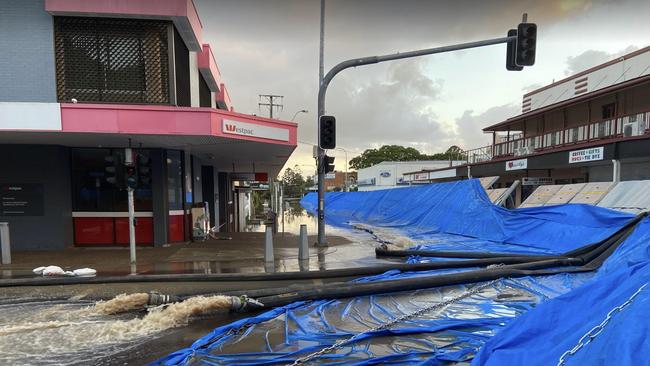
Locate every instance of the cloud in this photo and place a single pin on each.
(394, 109)
(469, 126)
(591, 58)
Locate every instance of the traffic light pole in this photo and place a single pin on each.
(367, 61)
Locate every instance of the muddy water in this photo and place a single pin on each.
(39, 332)
(50, 332)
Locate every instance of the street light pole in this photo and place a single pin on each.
(322, 91)
(300, 111)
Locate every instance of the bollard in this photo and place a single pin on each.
(303, 246)
(5, 242)
(268, 245)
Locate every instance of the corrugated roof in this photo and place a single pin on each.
(630, 196)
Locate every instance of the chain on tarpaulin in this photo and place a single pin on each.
(473, 291)
(595, 331)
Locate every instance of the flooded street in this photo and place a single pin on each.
(42, 331)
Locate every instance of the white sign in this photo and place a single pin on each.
(536, 181)
(591, 154)
(330, 176)
(518, 164)
(420, 176)
(253, 130)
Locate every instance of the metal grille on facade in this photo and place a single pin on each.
(112, 60)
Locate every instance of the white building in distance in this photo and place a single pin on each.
(390, 174)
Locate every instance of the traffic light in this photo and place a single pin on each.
(143, 170)
(328, 163)
(526, 42)
(110, 173)
(131, 177)
(327, 132)
(511, 53)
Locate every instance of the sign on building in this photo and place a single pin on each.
(518, 164)
(253, 130)
(591, 154)
(536, 181)
(24, 199)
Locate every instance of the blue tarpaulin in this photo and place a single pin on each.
(516, 321)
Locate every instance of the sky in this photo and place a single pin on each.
(430, 102)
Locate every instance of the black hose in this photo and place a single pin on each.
(588, 261)
(279, 276)
(384, 252)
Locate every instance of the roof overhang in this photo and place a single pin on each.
(209, 69)
(232, 142)
(182, 13)
(223, 99)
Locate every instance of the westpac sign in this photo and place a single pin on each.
(253, 130)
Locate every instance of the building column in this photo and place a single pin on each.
(159, 197)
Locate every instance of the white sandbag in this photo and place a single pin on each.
(84, 272)
(38, 270)
(53, 271)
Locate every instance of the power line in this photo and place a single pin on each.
(271, 102)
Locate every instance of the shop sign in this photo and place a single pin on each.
(536, 181)
(254, 130)
(591, 154)
(420, 176)
(330, 176)
(21, 199)
(518, 164)
(384, 174)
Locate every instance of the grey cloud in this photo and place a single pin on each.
(469, 125)
(395, 109)
(531, 87)
(591, 58)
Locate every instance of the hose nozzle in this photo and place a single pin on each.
(244, 303)
(156, 299)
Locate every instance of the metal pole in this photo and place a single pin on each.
(5, 242)
(303, 245)
(131, 225)
(322, 91)
(347, 188)
(321, 69)
(268, 245)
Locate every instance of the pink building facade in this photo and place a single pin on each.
(93, 77)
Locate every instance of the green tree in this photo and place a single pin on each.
(371, 157)
(293, 182)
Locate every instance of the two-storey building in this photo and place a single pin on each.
(590, 127)
(84, 79)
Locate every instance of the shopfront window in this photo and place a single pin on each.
(98, 181)
(175, 179)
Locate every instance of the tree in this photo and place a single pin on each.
(371, 157)
(293, 182)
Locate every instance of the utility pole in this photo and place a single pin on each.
(271, 101)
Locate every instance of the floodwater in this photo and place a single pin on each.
(37, 331)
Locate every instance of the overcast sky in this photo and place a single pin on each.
(431, 102)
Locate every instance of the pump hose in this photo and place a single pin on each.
(587, 258)
(584, 261)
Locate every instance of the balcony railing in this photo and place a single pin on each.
(627, 126)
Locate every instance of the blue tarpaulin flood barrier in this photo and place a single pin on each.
(543, 320)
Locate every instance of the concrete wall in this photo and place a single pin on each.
(27, 59)
(49, 166)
